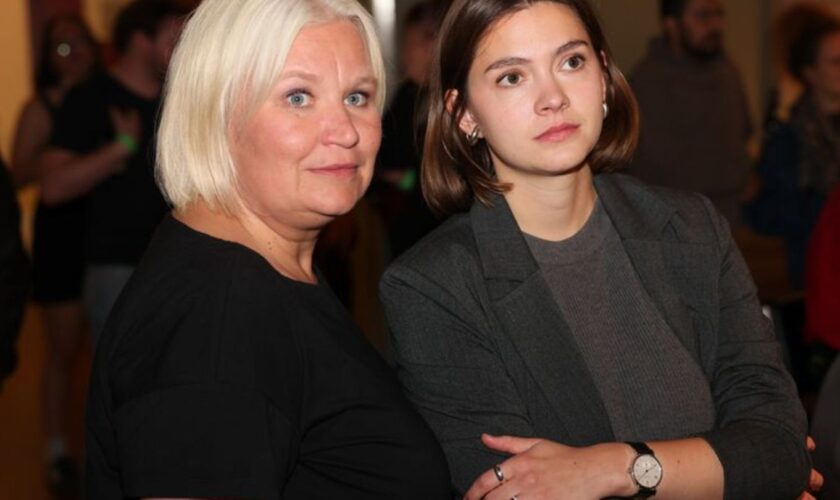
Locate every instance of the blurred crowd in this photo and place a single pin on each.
(86, 139)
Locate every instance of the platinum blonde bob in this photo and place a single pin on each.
(228, 59)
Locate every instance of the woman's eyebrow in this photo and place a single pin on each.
(514, 61)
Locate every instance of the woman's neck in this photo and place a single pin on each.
(288, 250)
(553, 208)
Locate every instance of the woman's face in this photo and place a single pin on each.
(72, 54)
(824, 75)
(535, 90)
(306, 154)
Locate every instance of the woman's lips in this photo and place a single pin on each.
(337, 170)
(558, 133)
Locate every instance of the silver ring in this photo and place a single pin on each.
(499, 474)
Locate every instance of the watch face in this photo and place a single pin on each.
(647, 471)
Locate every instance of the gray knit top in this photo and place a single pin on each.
(650, 385)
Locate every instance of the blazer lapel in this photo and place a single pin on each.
(525, 308)
(666, 267)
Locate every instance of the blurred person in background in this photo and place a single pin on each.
(69, 57)
(103, 149)
(228, 368)
(403, 126)
(800, 159)
(798, 168)
(822, 292)
(695, 121)
(14, 275)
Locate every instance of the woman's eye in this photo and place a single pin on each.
(298, 98)
(573, 63)
(356, 99)
(509, 79)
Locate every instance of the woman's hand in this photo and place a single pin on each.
(815, 481)
(545, 469)
(128, 123)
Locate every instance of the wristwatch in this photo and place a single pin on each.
(645, 470)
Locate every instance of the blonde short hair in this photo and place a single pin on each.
(229, 57)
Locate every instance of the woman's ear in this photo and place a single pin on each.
(467, 121)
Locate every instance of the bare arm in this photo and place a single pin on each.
(66, 175)
(545, 469)
(31, 137)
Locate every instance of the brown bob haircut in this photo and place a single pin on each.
(454, 172)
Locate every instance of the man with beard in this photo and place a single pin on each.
(695, 121)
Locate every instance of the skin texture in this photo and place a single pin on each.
(306, 155)
(534, 71)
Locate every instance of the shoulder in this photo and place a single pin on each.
(194, 312)
(440, 254)
(35, 121)
(669, 213)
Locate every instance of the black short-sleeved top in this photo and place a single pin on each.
(123, 210)
(218, 377)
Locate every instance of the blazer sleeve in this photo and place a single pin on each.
(450, 369)
(761, 427)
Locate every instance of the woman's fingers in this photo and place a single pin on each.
(490, 480)
(815, 482)
(810, 444)
(509, 444)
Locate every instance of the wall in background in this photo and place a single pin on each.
(16, 77)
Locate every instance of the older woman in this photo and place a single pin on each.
(568, 332)
(227, 369)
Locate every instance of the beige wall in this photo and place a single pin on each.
(15, 84)
(16, 75)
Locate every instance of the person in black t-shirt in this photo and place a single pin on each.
(227, 367)
(102, 146)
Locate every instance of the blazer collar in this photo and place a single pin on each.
(637, 214)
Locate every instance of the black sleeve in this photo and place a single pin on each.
(761, 425)
(451, 371)
(203, 440)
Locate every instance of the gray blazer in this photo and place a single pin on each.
(481, 346)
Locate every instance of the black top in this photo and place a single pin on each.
(58, 255)
(14, 275)
(218, 377)
(124, 209)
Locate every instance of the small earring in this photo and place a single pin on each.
(606, 109)
(472, 137)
